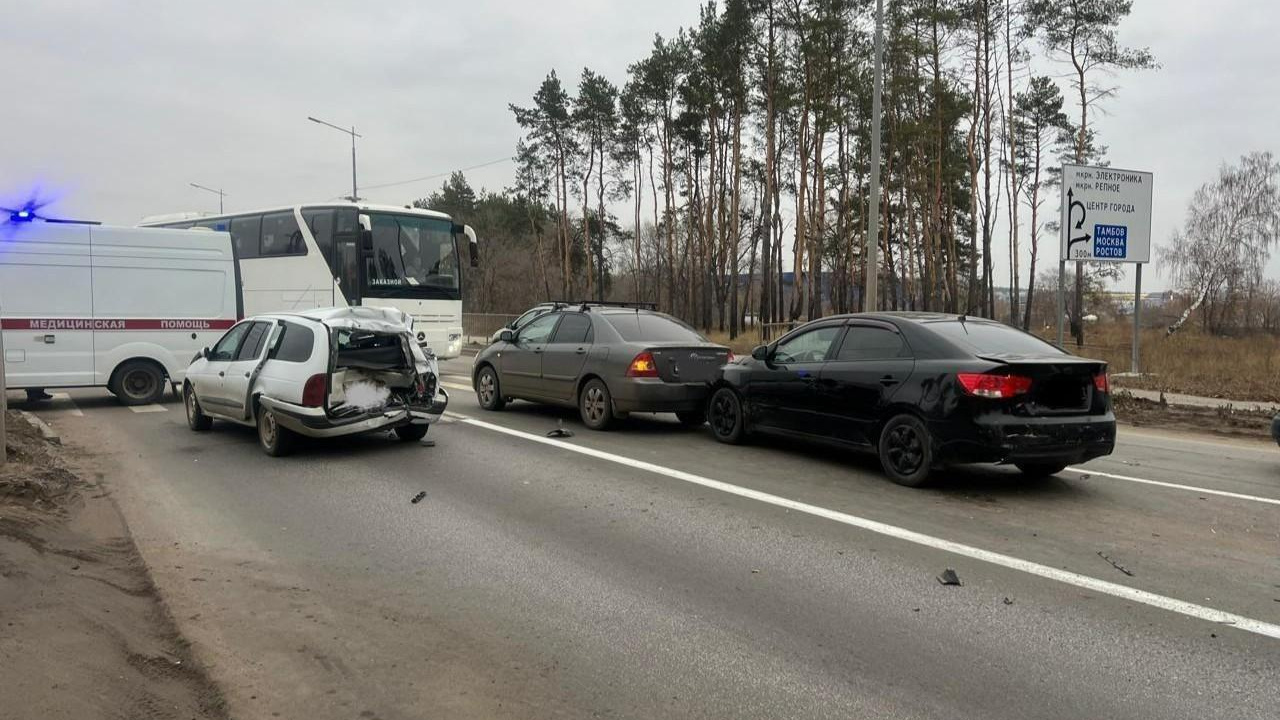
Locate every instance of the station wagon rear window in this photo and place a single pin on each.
(985, 337)
(642, 327)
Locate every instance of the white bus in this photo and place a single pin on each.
(337, 254)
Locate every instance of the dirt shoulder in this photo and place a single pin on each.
(1226, 420)
(83, 633)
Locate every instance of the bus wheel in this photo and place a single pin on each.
(138, 382)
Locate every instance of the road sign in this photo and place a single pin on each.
(1106, 214)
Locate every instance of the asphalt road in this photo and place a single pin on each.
(651, 572)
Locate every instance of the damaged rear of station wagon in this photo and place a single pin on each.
(321, 373)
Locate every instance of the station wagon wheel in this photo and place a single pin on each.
(488, 390)
(138, 382)
(275, 440)
(725, 414)
(906, 451)
(596, 405)
(196, 419)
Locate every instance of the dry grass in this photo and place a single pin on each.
(1191, 362)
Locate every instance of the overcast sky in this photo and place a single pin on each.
(116, 106)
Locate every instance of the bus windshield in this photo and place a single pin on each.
(413, 257)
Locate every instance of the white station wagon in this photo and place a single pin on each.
(320, 373)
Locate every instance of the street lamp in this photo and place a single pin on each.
(870, 287)
(219, 193)
(352, 132)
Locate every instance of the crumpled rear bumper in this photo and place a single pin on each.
(1005, 439)
(315, 422)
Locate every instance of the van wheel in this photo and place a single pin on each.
(595, 405)
(906, 451)
(196, 419)
(275, 440)
(412, 433)
(138, 382)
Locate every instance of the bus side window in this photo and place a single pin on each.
(320, 222)
(281, 236)
(244, 232)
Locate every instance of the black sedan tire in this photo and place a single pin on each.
(595, 405)
(906, 451)
(1037, 471)
(196, 419)
(488, 389)
(728, 423)
(692, 418)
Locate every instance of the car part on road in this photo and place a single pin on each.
(949, 577)
(196, 419)
(725, 414)
(138, 382)
(418, 498)
(559, 432)
(1115, 564)
(906, 451)
(596, 405)
(411, 433)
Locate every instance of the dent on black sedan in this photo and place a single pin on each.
(924, 391)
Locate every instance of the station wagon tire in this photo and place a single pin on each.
(906, 451)
(196, 419)
(692, 418)
(488, 390)
(724, 412)
(595, 405)
(275, 440)
(412, 433)
(138, 382)
(1039, 471)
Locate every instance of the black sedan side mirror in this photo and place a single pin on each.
(760, 352)
(507, 336)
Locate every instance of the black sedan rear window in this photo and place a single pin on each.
(987, 337)
(643, 327)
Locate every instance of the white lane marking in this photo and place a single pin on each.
(1105, 587)
(153, 407)
(1176, 486)
(457, 386)
(61, 400)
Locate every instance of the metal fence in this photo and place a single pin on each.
(478, 327)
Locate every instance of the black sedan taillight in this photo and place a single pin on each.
(997, 387)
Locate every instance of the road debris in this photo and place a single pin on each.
(560, 432)
(1008, 601)
(1115, 564)
(418, 498)
(949, 577)
(755, 571)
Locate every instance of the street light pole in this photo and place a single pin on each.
(871, 286)
(219, 193)
(352, 132)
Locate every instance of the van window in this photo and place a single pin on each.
(244, 233)
(295, 344)
(251, 348)
(216, 225)
(281, 236)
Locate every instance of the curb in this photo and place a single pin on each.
(47, 432)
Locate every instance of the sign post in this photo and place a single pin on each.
(1106, 217)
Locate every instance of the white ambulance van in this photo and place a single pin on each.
(116, 307)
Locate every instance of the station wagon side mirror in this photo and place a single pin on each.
(204, 353)
(760, 352)
(507, 336)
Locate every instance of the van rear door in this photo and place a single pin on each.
(46, 308)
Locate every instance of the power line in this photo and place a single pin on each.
(437, 175)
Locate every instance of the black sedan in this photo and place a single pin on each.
(924, 391)
(607, 360)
